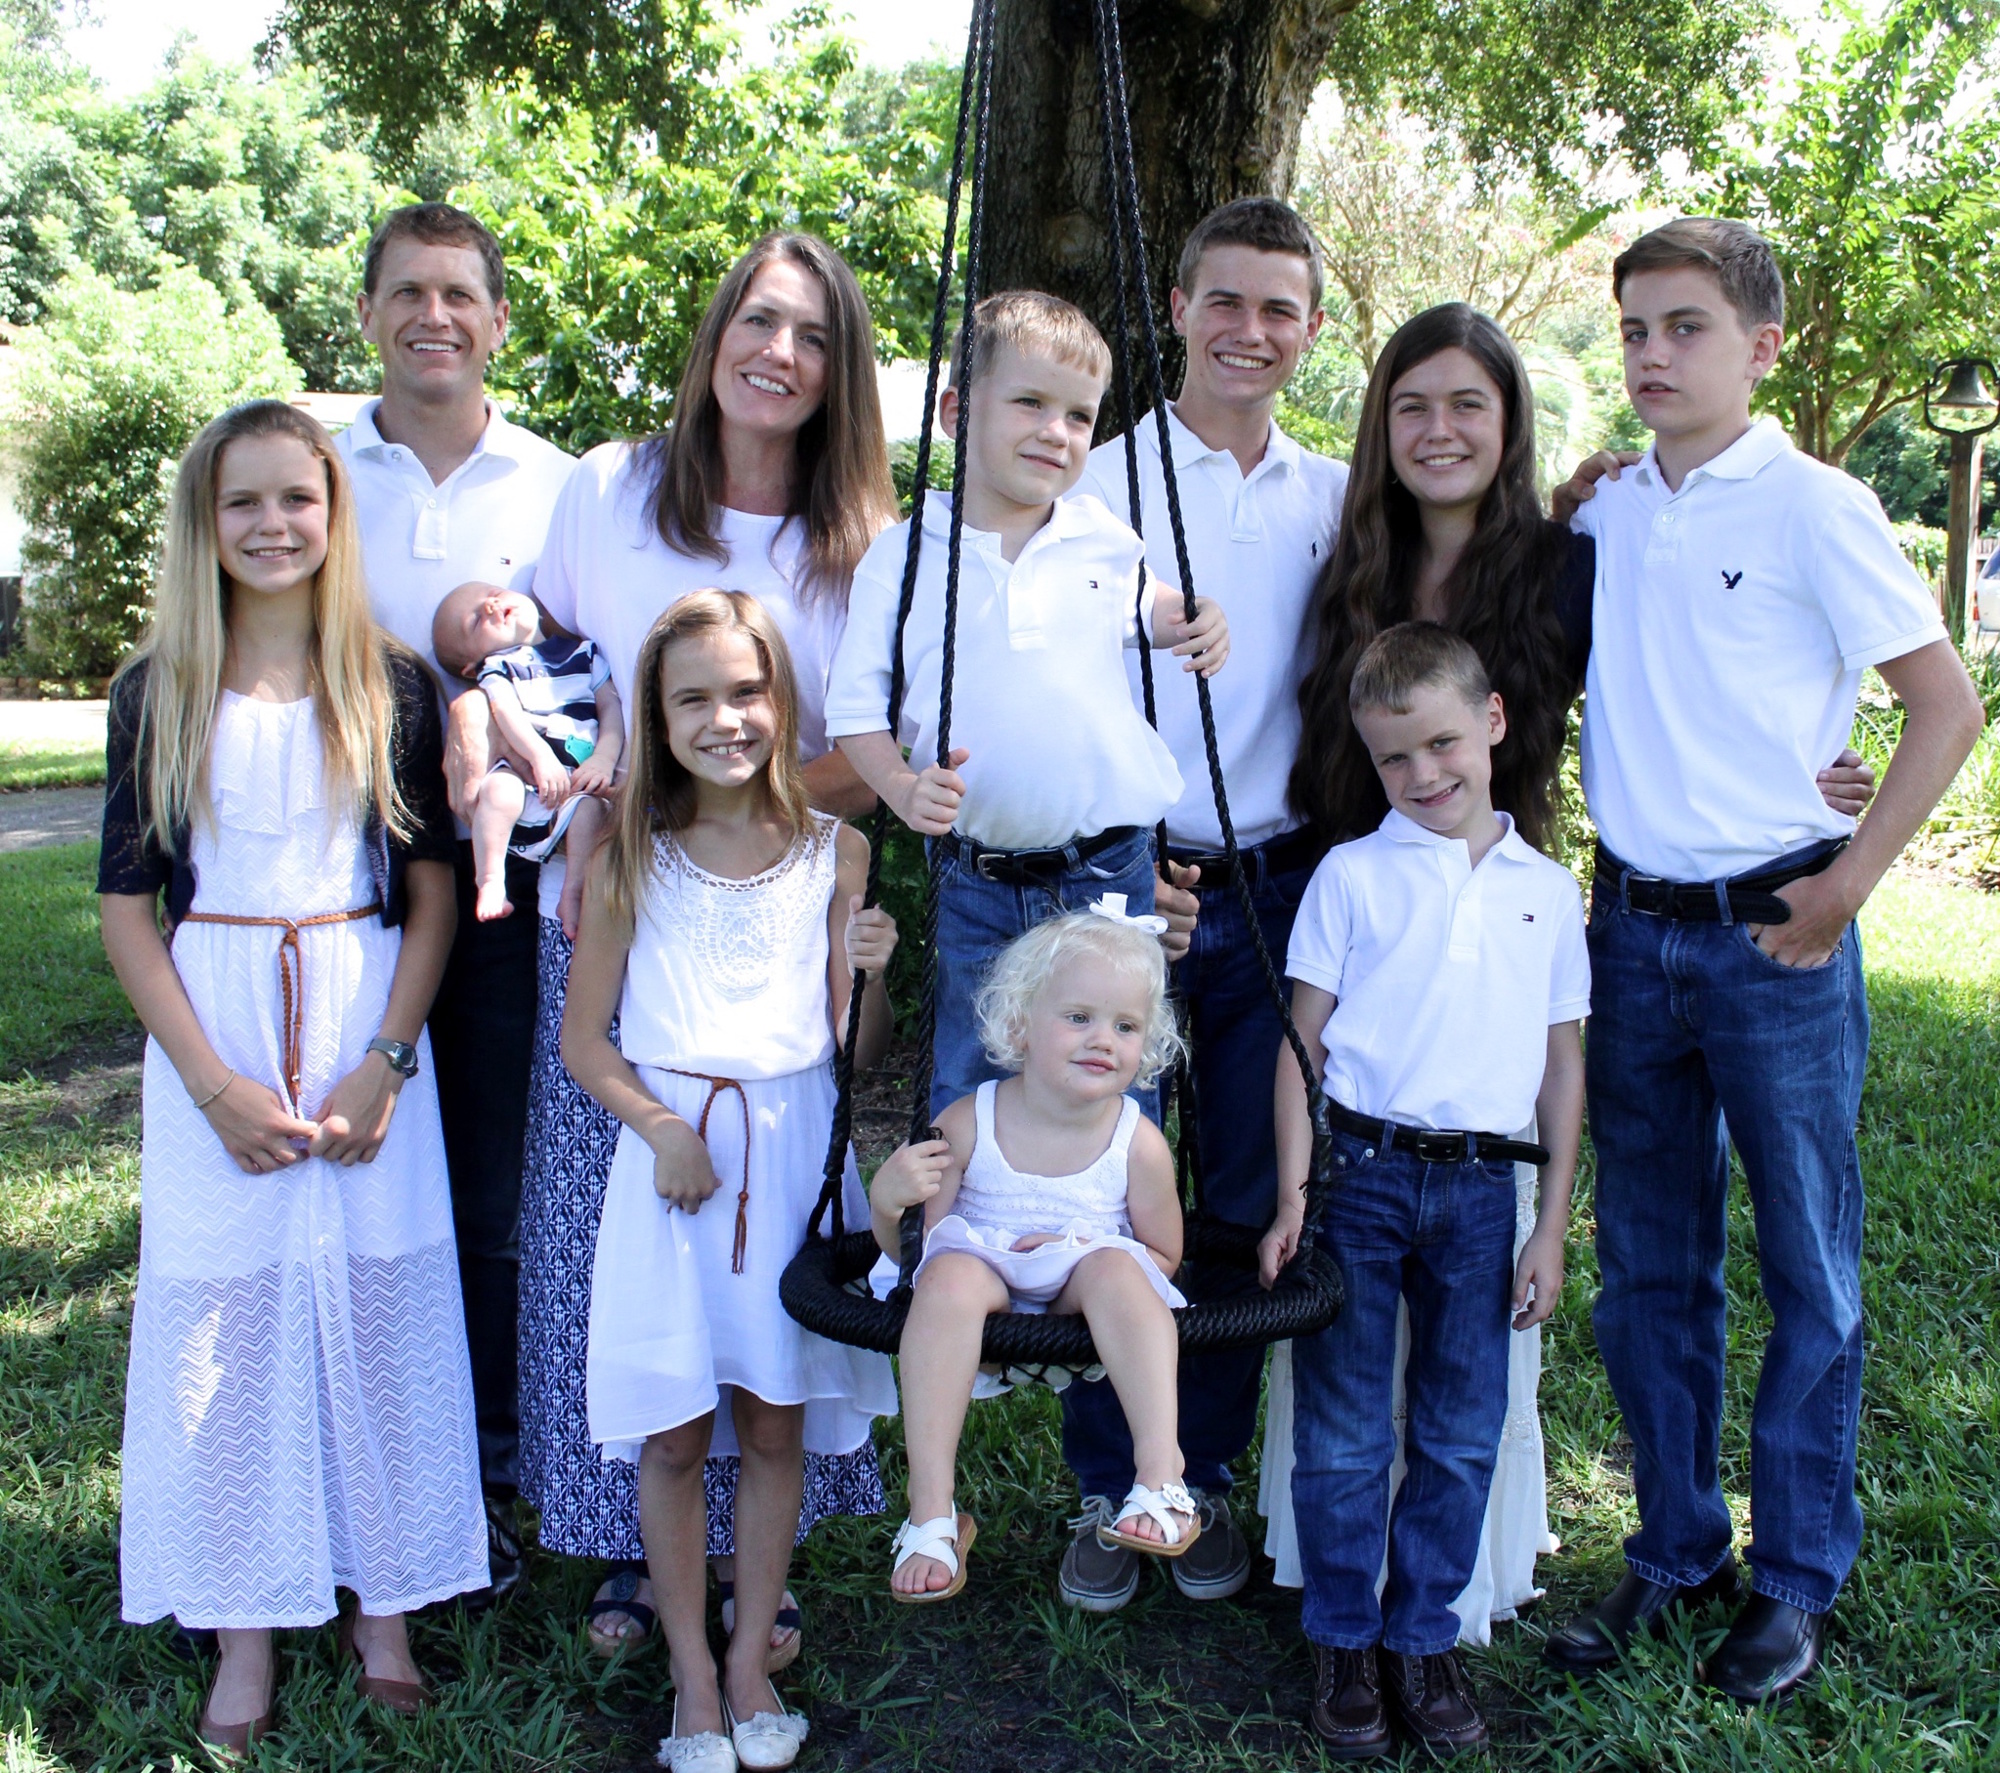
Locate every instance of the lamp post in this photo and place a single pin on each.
(1958, 405)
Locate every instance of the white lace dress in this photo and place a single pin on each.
(1516, 1529)
(725, 1017)
(298, 1411)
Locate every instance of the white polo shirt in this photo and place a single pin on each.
(485, 521)
(1448, 977)
(1256, 543)
(1730, 624)
(1038, 686)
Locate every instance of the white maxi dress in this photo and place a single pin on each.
(298, 1409)
(724, 1016)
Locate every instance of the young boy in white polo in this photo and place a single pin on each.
(1260, 514)
(1439, 978)
(1741, 589)
(1055, 781)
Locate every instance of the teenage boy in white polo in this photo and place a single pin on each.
(448, 491)
(1741, 589)
(1260, 516)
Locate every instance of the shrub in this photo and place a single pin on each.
(108, 392)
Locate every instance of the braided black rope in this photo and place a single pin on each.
(842, 1131)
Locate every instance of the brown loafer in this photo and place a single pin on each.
(405, 1698)
(234, 1738)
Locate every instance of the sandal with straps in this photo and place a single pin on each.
(779, 1657)
(1163, 1504)
(617, 1602)
(946, 1540)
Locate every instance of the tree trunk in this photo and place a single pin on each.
(1218, 91)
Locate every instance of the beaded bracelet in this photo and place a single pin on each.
(219, 1088)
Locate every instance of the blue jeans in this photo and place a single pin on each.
(978, 918)
(1235, 1035)
(1692, 1024)
(1441, 1237)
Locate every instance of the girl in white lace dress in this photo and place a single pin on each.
(1047, 1192)
(298, 1413)
(722, 925)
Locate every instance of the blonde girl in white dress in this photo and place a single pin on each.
(722, 925)
(298, 1412)
(1048, 1192)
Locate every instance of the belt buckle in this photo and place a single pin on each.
(983, 864)
(1436, 1147)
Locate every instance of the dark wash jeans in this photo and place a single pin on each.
(1693, 1025)
(482, 1042)
(977, 918)
(1235, 1034)
(1441, 1237)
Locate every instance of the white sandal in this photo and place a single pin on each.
(766, 1739)
(707, 1751)
(947, 1540)
(1162, 1505)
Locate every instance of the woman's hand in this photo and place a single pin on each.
(1281, 1243)
(871, 938)
(356, 1117)
(683, 1174)
(1847, 784)
(1538, 1272)
(910, 1176)
(257, 1127)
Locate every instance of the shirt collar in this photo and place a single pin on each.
(1744, 459)
(500, 438)
(1280, 451)
(1071, 516)
(1401, 828)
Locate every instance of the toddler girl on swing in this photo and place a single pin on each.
(1048, 1191)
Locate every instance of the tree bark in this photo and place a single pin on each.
(1218, 91)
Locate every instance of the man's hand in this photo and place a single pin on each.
(1820, 916)
(468, 750)
(683, 1173)
(1202, 644)
(1847, 784)
(1539, 1273)
(1581, 487)
(930, 799)
(1175, 900)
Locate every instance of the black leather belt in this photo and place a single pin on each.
(1435, 1145)
(1031, 867)
(1293, 849)
(1744, 898)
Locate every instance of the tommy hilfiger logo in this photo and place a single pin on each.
(1527, 917)
(1731, 580)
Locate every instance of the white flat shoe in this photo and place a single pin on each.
(707, 1751)
(766, 1739)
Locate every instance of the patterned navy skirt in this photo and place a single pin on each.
(590, 1506)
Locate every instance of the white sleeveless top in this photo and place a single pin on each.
(1091, 1203)
(728, 977)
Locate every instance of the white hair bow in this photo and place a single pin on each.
(1112, 905)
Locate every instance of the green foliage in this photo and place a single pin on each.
(108, 392)
(1878, 181)
(1906, 464)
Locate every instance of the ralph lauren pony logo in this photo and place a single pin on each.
(1731, 580)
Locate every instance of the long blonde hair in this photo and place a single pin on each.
(186, 643)
(842, 494)
(659, 793)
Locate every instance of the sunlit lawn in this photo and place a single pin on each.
(1007, 1680)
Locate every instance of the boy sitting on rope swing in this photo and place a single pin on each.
(1049, 802)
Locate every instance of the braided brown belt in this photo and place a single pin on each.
(291, 972)
(716, 1086)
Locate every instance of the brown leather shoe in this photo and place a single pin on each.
(1430, 1698)
(1347, 1712)
(234, 1739)
(406, 1698)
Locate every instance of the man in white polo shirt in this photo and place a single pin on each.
(448, 491)
(1741, 589)
(1260, 514)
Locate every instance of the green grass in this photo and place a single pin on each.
(1007, 1680)
(53, 765)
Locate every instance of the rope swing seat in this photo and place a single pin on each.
(825, 1286)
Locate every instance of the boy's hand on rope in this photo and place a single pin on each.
(931, 798)
(1281, 1243)
(871, 938)
(356, 1117)
(683, 1175)
(1201, 645)
(257, 1128)
(1539, 1271)
(1174, 899)
(910, 1175)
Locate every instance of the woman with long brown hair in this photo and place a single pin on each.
(772, 479)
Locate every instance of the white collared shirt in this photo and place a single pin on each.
(1729, 627)
(1448, 977)
(419, 540)
(1038, 688)
(1256, 543)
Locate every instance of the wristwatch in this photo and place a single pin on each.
(402, 1056)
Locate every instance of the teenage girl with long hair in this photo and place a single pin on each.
(722, 927)
(298, 1411)
(772, 479)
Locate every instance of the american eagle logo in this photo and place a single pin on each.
(1731, 580)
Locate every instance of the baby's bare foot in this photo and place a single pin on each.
(491, 902)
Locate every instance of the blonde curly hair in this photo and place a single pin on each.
(1028, 963)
